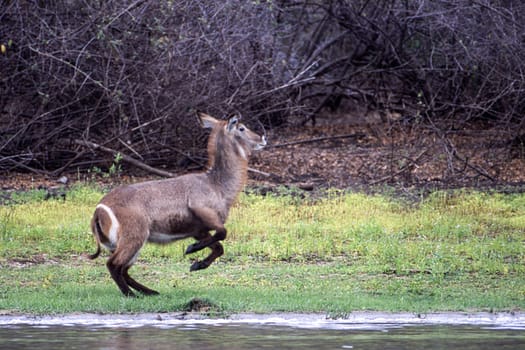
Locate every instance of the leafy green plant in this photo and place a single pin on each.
(116, 167)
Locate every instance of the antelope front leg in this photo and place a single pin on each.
(211, 220)
(216, 251)
(208, 241)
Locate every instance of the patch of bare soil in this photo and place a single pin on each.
(349, 155)
(343, 151)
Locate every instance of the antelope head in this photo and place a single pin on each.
(232, 132)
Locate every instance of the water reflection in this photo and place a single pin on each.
(252, 336)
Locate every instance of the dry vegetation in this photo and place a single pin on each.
(423, 91)
(377, 154)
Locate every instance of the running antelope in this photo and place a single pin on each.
(164, 211)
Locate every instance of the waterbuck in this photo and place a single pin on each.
(164, 211)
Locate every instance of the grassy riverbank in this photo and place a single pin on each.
(336, 253)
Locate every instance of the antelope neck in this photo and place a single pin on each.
(228, 171)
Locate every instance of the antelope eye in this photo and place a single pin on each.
(241, 129)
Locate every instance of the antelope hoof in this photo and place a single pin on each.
(130, 294)
(192, 248)
(198, 265)
(150, 292)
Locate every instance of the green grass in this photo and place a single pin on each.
(260, 287)
(460, 250)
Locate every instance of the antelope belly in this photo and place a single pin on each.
(159, 237)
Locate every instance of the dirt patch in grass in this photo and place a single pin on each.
(41, 259)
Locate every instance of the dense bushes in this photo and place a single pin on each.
(129, 74)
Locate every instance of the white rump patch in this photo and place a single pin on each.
(113, 230)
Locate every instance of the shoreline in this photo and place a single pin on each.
(353, 320)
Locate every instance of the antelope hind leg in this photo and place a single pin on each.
(117, 273)
(136, 285)
(119, 263)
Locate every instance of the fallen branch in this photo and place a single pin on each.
(24, 166)
(400, 171)
(125, 158)
(317, 139)
(476, 168)
(140, 164)
(259, 172)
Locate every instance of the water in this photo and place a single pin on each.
(114, 332)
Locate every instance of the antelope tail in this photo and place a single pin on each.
(97, 231)
(95, 254)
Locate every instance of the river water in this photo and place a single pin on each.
(260, 332)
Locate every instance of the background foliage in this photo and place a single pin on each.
(128, 75)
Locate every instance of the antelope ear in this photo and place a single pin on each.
(206, 121)
(232, 122)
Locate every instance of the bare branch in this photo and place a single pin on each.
(125, 158)
(317, 139)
